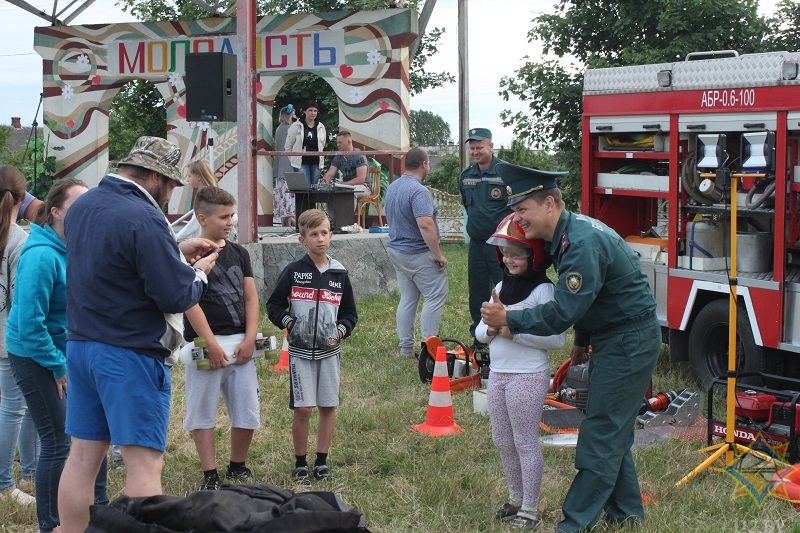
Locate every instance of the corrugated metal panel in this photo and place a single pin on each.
(636, 78)
(756, 70)
(752, 70)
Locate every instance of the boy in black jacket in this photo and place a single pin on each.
(314, 301)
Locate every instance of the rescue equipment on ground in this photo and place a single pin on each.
(463, 366)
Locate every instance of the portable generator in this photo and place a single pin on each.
(574, 390)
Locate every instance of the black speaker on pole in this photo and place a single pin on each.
(211, 87)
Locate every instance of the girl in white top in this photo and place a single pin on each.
(198, 175)
(519, 373)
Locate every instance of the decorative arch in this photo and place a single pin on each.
(362, 55)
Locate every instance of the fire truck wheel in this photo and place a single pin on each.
(708, 345)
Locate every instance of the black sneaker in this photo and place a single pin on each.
(212, 482)
(300, 475)
(322, 472)
(240, 475)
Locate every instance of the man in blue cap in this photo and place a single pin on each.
(484, 197)
(603, 292)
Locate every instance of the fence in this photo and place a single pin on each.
(451, 217)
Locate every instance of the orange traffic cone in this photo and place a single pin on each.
(283, 363)
(440, 420)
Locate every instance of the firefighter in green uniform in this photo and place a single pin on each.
(486, 202)
(603, 292)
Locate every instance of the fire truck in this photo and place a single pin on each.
(664, 148)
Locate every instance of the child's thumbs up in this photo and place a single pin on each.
(493, 313)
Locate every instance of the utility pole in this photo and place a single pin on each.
(463, 84)
(246, 123)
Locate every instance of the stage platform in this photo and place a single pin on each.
(363, 254)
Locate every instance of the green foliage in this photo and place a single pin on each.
(36, 161)
(445, 177)
(595, 33)
(783, 26)
(419, 78)
(5, 134)
(428, 129)
(138, 109)
(519, 153)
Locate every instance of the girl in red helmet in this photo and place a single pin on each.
(519, 374)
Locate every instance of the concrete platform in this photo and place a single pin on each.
(363, 254)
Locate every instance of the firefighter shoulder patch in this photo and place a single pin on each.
(574, 281)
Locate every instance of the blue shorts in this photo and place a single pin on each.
(117, 395)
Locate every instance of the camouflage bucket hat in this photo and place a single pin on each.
(156, 154)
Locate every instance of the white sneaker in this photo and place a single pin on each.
(20, 497)
(353, 228)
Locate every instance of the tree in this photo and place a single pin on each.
(445, 176)
(137, 110)
(428, 129)
(783, 26)
(37, 163)
(595, 34)
(5, 134)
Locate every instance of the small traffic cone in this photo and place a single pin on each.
(283, 363)
(439, 421)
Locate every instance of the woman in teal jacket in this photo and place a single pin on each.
(36, 336)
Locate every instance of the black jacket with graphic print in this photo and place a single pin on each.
(318, 305)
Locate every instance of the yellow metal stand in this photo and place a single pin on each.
(729, 447)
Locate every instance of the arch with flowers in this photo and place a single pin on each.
(362, 55)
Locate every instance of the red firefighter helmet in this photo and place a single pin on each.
(510, 233)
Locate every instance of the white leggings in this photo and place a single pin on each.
(515, 409)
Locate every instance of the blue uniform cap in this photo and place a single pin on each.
(523, 181)
(479, 134)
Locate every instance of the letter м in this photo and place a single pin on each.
(137, 58)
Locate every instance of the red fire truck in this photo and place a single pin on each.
(660, 143)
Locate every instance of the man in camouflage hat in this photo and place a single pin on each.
(126, 279)
(604, 293)
(484, 197)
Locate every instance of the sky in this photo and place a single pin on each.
(497, 45)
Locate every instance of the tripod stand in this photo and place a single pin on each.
(730, 446)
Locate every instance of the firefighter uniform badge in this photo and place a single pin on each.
(496, 193)
(574, 282)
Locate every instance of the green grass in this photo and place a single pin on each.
(406, 482)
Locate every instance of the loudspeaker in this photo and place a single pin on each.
(211, 87)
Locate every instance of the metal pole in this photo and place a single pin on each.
(463, 84)
(246, 119)
(210, 148)
(730, 404)
(424, 17)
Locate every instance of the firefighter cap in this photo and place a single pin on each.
(511, 234)
(523, 181)
(479, 134)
